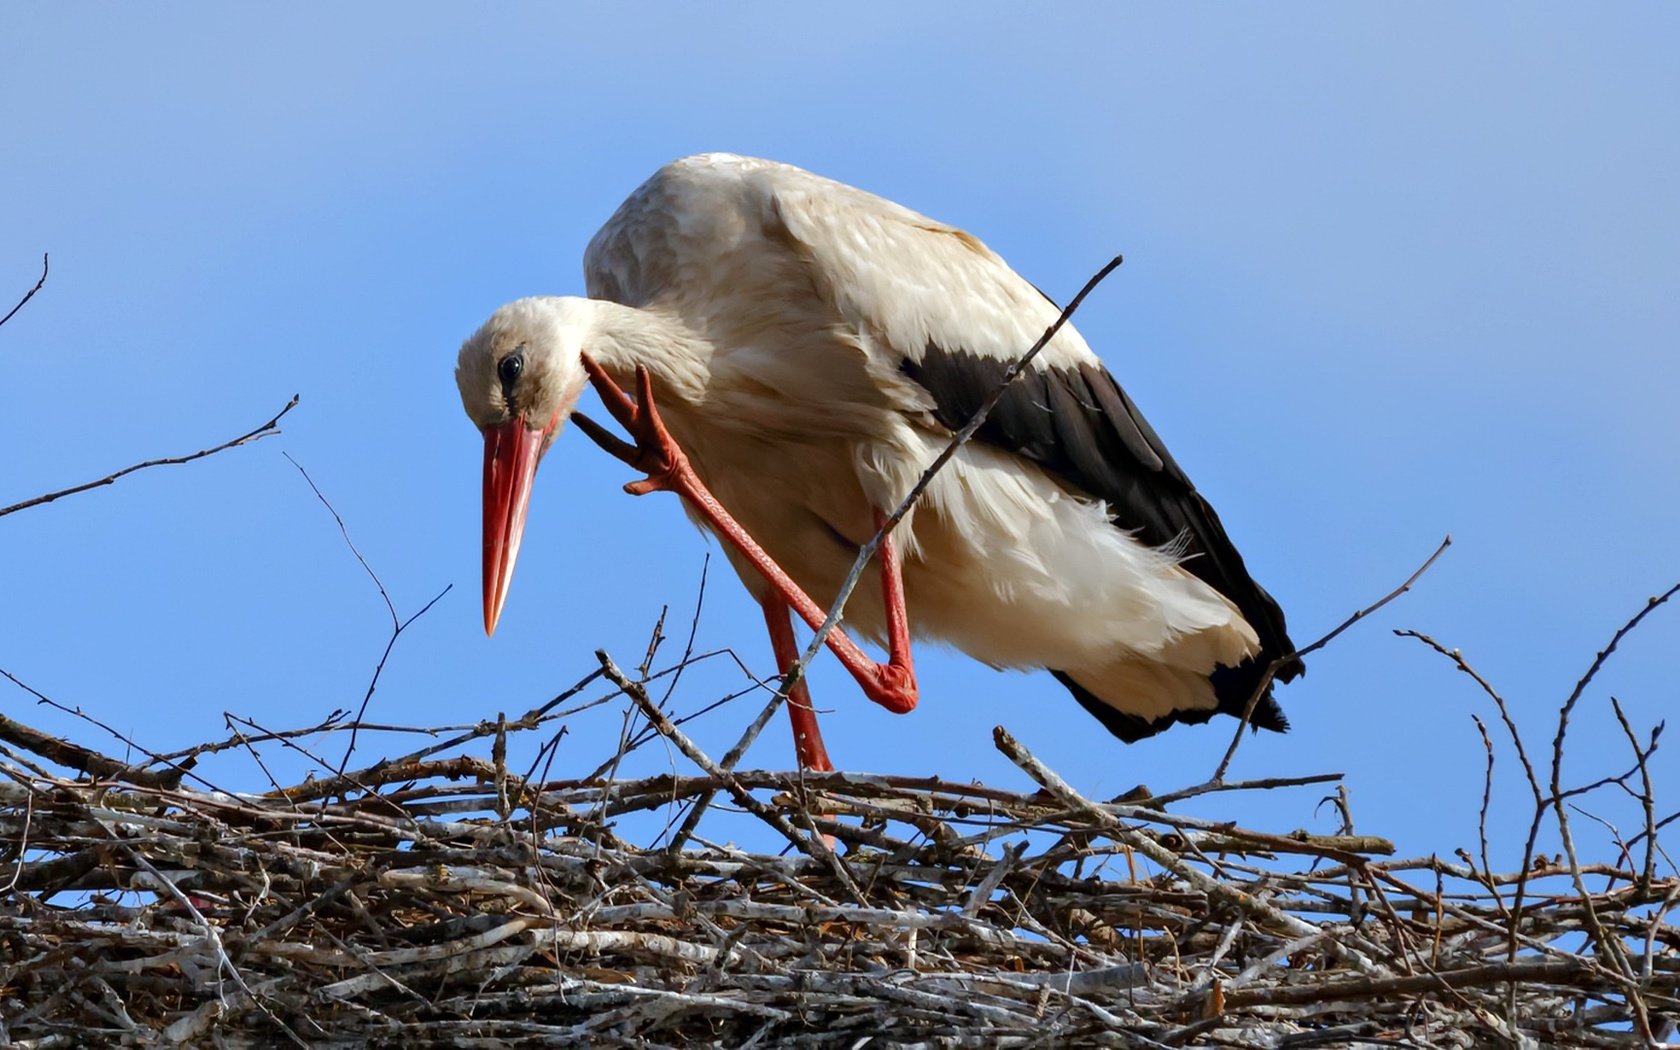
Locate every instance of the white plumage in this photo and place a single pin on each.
(811, 347)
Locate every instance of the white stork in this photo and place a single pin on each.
(811, 348)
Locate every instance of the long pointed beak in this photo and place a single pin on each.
(511, 452)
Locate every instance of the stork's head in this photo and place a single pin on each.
(520, 375)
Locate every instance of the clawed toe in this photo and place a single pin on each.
(654, 452)
(610, 442)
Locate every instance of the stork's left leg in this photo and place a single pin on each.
(892, 684)
(807, 738)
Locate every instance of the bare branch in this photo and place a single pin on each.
(398, 625)
(811, 844)
(1647, 795)
(29, 294)
(1553, 800)
(267, 429)
(1498, 702)
(348, 542)
(1651, 605)
(74, 756)
(86, 761)
(866, 553)
(1277, 664)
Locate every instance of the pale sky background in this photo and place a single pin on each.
(1392, 272)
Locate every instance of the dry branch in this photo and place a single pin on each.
(268, 428)
(867, 552)
(29, 294)
(398, 624)
(1279, 662)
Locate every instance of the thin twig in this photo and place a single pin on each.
(811, 844)
(98, 765)
(398, 625)
(866, 553)
(1647, 793)
(1651, 605)
(74, 756)
(1278, 664)
(379, 669)
(268, 428)
(29, 294)
(1568, 706)
(344, 531)
(1498, 702)
(1482, 811)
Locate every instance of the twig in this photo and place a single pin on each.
(1610, 948)
(1647, 793)
(1651, 605)
(268, 428)
(1211, 786)
(379, 668)
(344, 531)
(106, 766)
(1017, 753)
(1482, 811)
(811, 844)
(398, 625)
(74, 756)
(1278, 663)
(1555, 801)
(211, 936)
(1498, 702)
(730, 759)
(1557, 794)
(866, 553)
(29, 294)
(22, 843)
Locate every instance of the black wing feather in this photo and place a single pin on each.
(1079, 424)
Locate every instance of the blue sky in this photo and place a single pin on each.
(1392, 272)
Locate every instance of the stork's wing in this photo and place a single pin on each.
(1077, 423)
(958, 316)
(935, 304)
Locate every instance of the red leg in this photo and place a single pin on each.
(898, 624)
(893, 684)
(807, 738)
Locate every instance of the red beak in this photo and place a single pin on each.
(511, 452)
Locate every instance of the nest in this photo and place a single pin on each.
(439, 898)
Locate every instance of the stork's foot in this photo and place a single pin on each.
(655, 453)
(893, 686)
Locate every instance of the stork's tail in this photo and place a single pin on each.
(1134, 699)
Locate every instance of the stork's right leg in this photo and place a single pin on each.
(807, 738)
(892, 684)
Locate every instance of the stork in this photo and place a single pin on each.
(800, 351)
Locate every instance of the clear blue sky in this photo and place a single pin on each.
(1392, 272)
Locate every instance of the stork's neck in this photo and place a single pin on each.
(622, 337)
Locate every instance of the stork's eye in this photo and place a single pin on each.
(510, 367)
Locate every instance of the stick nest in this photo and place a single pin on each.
(447, 901)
